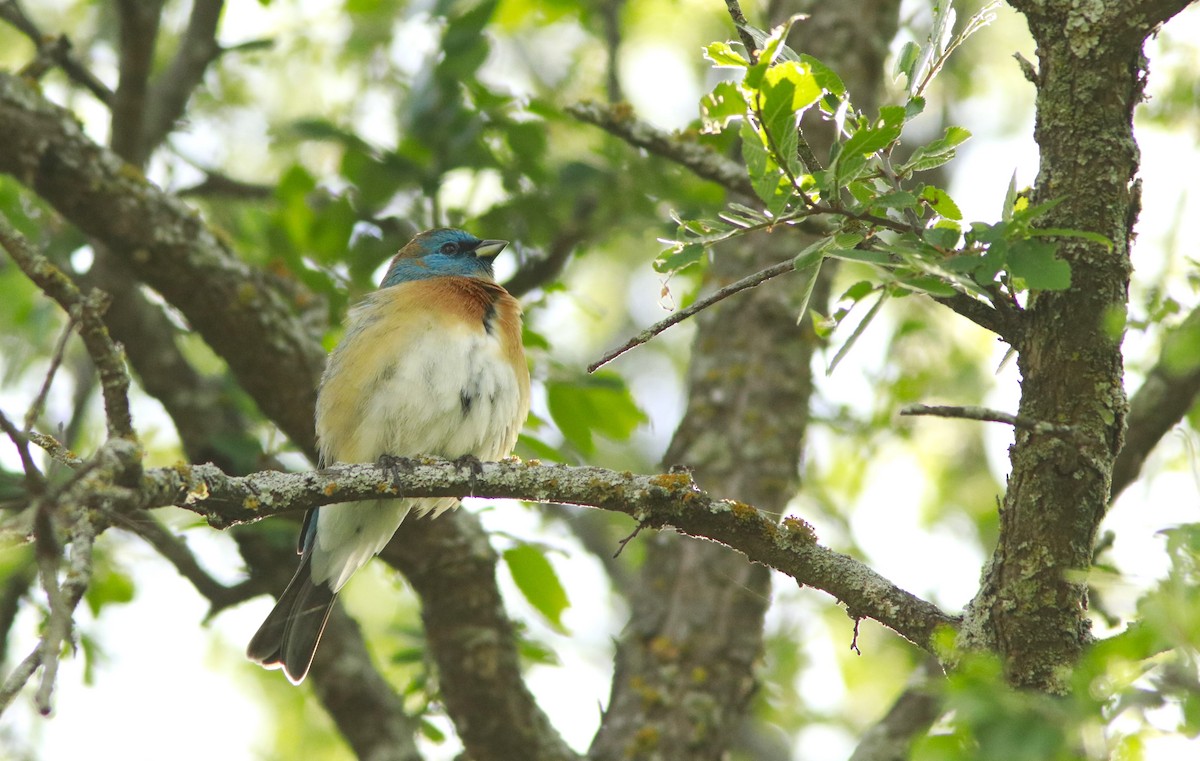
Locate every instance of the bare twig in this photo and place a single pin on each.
(619, 120)
(35, 482)
(990, 416)
(57, 49)
(176, 552)
(739, 21)
(35, 409)
(87, 310)
(63, 598)
(19, 677)
(758, 278)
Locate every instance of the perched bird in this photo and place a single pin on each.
(431, 364)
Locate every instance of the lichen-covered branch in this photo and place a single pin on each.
(655, 501)
(233, 306)
(87, 310)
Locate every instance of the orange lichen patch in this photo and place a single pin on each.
(741, 510)
(330, 488)
(672, 481)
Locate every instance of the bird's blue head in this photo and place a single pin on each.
(443, 252)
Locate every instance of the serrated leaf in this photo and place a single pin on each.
(534, 575)
(679, 257)
(1035, 263)
(906, 61)
(941, 202)
(934, 286)
(944, 238)
(826, 77)
(936, 152)
(723, 55)
(865, 256)
(892, 116)
(721, 106)
(899, 199)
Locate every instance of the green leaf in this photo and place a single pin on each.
(906, 61)
(825, 77)
(935, 153)
(599, 403)
(943, 237)
(1067, 232)
(723, 55)
(679, 256)
(765, 174)
(536, 578)
(941, 202)
(899, 200)
(1034, 262)
(721, 106)
(858, 148)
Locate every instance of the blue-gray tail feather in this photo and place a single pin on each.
(288, 637)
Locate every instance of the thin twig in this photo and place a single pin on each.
(56, 48)
(747, 282)
(63, 602)
(739, 21)
(986, 415)
(87, 309)
(35, 409)
(175, 550)
(35, 482)
(19, 677)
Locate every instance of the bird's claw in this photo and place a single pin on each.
(395, 466)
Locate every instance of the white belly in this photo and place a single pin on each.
(447, 393)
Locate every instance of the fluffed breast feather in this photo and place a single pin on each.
(440, 360)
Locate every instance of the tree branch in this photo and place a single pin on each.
(473, 640)
(232, 305)
(654, 501)
(1169, 391)
(170, 92)
(57, 49)
(87, 310)
(750, 281)
(620, 121)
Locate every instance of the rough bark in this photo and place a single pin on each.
(1032, 606)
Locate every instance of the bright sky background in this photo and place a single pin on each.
(157, 644)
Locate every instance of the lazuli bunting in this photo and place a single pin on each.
(431, 363)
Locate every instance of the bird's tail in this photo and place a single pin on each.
(288, 637)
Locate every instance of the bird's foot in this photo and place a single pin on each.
(395, 466)
(474, 469)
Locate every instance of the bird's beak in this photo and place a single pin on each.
(490, 248)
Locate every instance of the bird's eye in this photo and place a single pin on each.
(449, 248)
